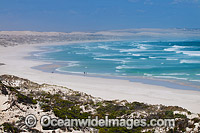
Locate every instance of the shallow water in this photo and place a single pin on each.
(165, 60)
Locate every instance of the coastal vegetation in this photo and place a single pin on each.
(61, 102)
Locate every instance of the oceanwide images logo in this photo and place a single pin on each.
(47, 121)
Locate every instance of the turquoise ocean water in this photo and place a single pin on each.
(178, 60)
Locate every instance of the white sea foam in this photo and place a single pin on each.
(136, 54)
(152, 57)
(142, 46)
(191, 53)
(88, 48)
(104, 47)
(189, 61)
(195, 80)
(117, 71)
(107, 55)
(109, 59)
(124, 67)
(128, 50)
(170, 49)
(171, 59)
(136, 50)
(175, 48)
(147, 74)
(174, 74)
(72, 64)
(170, 77)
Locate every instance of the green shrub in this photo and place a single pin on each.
(136, 106)
(180, 116)
(9, 128)
(169, 114)
(25, 99)
(46, 107)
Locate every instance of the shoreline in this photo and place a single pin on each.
(53, 66)
(108, 89)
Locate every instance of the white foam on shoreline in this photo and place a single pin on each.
(147, 74)
(195, 80)
(170, 77)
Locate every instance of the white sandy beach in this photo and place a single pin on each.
(109, 89)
